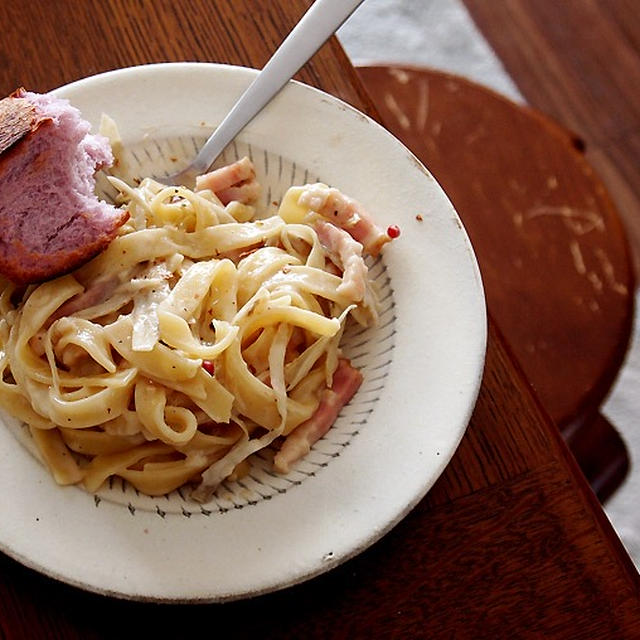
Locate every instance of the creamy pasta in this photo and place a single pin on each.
(200, 336)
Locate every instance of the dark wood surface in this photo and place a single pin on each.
(552, 251)
(510, 542)
(579, 61)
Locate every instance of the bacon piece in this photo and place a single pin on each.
(347, 214)
(97, 292)
(234, 182)
(244, 193)
(349, 252)
(346, 381)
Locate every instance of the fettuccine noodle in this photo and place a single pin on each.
(200, 336)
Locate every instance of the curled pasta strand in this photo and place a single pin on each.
(57, 455)
(171, 425)
(103, 466)
(277, 354)
(175, 332)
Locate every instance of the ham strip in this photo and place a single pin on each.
(345, 213)
(235, 182)
(349, 253)
(346, 381)
(98, 291)
(244, 193)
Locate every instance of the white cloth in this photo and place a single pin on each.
(621, 409)
(442, 35)
(434, 33)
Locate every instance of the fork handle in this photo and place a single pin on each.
(317, 25)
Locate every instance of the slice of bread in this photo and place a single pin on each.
(50, 218)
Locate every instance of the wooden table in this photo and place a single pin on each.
(552, 251)
(510, 542)
(579, 62)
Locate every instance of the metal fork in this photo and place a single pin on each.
(322, 19)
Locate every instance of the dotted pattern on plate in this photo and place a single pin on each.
(370, 349)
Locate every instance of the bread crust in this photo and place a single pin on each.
(20, 125)
(17, 118)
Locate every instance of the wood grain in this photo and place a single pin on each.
(579, 61)
(552, 251)
(510, 542)
(161, 31)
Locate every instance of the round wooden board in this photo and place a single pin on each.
(551, 248)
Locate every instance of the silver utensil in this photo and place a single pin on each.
(322, 19)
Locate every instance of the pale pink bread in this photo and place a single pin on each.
(50, 219)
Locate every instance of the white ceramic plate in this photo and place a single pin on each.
(422, 366)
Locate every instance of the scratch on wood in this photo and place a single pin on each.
(579, 221)
(609, 272)
(422, 110)
(452, 86)
(595, 280)
(395, 109)
(514, 185)
(578, 260)
(476, 134)
(400, 75)
(477, 187)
